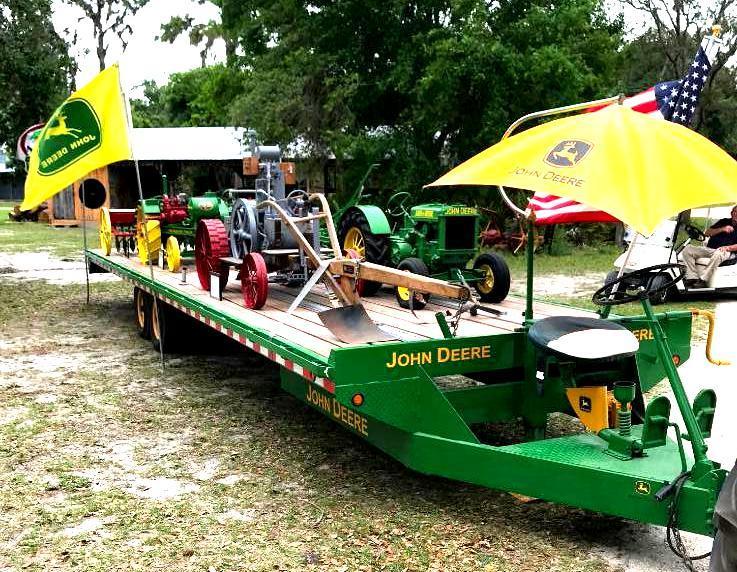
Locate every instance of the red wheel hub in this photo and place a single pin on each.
(254, 281)
(211, 244)
(360, 283)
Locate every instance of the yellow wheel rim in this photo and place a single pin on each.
(148, 250)
(403, 293)
(486, 285)
(106, 231)
(140, 311)
(173, 254)
(354, 241)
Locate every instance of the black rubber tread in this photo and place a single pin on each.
(724, 549)
(145, 330)
(502, 277)
(378, 246)
(659, 297)
(416, 266)
(174, 328)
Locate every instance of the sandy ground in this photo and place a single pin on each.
(629, 547)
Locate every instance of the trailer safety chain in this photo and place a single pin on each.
(673, 534)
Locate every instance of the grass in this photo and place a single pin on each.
(89, 422)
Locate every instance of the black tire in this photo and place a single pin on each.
(377, 246)
(610, 278)
(500, 277)
(724, 548)
(659, 297)
(419, 301)
(169, 328)
(142, 312)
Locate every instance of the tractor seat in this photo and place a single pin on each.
(729, 262)
(580, 338)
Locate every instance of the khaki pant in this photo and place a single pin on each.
(691, 253)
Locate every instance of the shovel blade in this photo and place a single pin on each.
(352, 324)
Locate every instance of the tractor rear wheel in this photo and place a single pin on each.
(142, 306)
(105, 231)
(494, 286)
(406, 298)
(211, 244)
(355, 234)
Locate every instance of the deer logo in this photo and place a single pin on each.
(60, 128)
(568, 153)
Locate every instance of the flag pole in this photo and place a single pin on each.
(129, 117)
(84, 240)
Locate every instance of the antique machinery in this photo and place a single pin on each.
(432, 239)
(172, 221)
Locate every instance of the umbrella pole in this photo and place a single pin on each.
(530, 252)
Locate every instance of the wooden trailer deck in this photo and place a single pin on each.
(304, 328)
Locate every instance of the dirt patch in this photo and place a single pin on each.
(28, 266)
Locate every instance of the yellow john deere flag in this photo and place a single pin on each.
(89, 130)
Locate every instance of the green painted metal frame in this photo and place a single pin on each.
(404, 412)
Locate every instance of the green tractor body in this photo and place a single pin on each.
(433, 239)
(443, 236)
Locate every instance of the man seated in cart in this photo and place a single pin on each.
(722, 246)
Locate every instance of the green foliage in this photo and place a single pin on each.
(201, 97)
(35, 68)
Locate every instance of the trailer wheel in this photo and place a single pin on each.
(403, 295)
(254, 281)
(494, 287)
(142, 307)
(355, 234)
(211, 244)
(168, 327)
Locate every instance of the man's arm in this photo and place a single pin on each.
(714, 230)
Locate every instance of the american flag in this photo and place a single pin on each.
(671, 100)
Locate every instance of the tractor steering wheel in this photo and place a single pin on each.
(638, 285)
(395, 204)
(695, 233)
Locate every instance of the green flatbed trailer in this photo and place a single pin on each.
(391, 395)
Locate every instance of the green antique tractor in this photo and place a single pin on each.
(431, 239)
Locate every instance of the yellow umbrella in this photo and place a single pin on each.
(635, 167)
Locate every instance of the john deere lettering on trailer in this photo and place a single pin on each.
(388, 393)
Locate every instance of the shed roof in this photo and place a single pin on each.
(188, 143)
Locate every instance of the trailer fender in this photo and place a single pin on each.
(378, 223)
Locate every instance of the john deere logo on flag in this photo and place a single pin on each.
(73, 132)
(568, 153)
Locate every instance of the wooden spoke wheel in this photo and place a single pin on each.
(173, 254)
(105, 229)
(211, 244)
(254, 281)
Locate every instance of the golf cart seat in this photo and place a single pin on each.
(580, 338)
(729, 262)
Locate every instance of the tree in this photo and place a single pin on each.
(108, 17)
(35, 69)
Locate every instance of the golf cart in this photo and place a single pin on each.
(664, 246)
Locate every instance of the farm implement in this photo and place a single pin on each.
(382, 372)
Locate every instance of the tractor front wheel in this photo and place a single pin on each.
(254, 281)
(355, 234)
(494, 286)
(407, 298)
